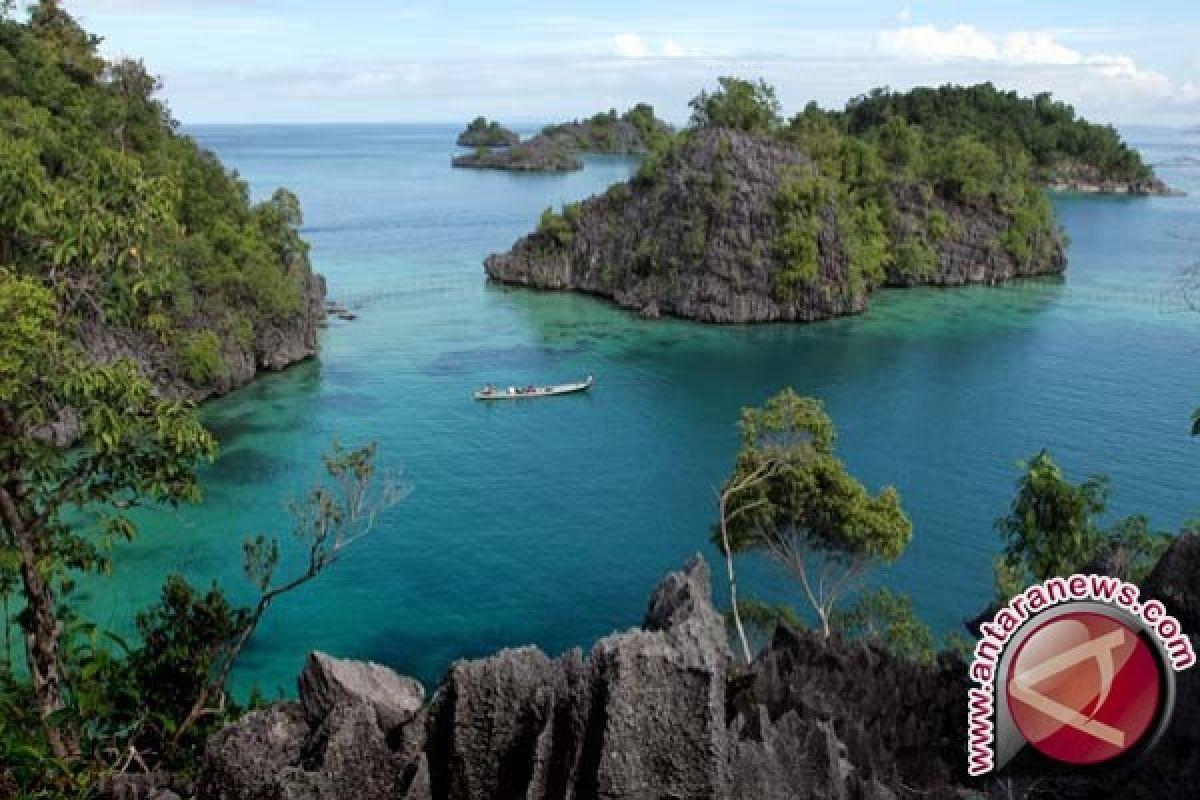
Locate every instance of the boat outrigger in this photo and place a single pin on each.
(517, 393)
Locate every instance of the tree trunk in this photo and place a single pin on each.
(733, 598)
(41, 631)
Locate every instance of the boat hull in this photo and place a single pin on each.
(540, 391)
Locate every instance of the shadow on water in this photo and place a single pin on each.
(513, 360)
(239, 415)
(582, 321)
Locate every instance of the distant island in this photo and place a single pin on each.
(555, 149)
(745, 217)
(483, 133)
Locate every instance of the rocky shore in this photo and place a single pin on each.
(697, 240)
(536, 155)
(1090, 180)
(274, 346)
(664, 711)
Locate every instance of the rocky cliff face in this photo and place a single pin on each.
(664, 712)
(536, 155)
(698, 238)
(274, 346)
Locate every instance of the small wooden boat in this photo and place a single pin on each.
(513, 393)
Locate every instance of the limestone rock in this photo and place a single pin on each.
(695, 238)
(327, 683)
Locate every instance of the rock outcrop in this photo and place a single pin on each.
(275, 345)
(536, 155)
(698, 239)
(664, 712)
(556, 147)
(1078, 177)
(661, 711)
(482, 133)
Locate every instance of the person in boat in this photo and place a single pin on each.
(489, 389)
(511, 390)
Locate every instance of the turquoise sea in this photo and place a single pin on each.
(549, 521)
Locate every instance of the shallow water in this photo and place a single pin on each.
(550, 521)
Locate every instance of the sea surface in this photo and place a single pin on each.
(550, 521)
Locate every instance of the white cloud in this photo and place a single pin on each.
(673, 49)
(1037, 61)
(1037, 47)
(629, 45)
(927, 43)
(905, 15)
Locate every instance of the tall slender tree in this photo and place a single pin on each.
(799, 505)
(74, 434)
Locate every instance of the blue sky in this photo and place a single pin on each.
(533, 61)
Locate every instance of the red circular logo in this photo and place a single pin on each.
(1084, 688)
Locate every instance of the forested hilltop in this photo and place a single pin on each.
(1067, 151)
(151, 248)
(748, 217)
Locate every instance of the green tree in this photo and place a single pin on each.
(334, 515)
(1052, 527)
(889, 619)
(1055, 528)
(130, 446)
(967, 167)
(737, 103)
(793, 500)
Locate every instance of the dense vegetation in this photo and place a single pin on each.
(600, 133)
(890, 186)
(110, 219)
(124, 218)
(790, 499)
(1044, 128)
(483, 133)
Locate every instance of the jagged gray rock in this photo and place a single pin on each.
(696, 238)
(327, 683)
(664, 712)
(1088, 178)
(659, 711)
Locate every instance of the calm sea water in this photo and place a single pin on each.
(549, 522)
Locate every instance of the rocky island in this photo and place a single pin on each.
(746, 218)
(555, 149)
(482, 133)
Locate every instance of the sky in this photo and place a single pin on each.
(530, 61)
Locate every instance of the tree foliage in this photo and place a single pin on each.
(126, 219)
(736, 103)
(1055, 528)
(130, 447)
(887, 618)
(799, 505)
(1045, 128)
(151, 702)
